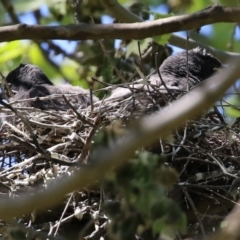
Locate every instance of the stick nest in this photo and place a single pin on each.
(40, 146)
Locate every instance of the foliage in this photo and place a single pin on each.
(86, 58)
(141, 206)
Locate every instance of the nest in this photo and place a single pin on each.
(39, 146)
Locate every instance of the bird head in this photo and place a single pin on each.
(201, 65)
(25, 76)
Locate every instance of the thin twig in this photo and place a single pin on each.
(63, 213)
(194, 210)
(159, 74)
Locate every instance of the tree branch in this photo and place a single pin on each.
(223, 56)
(142, 30)
(122, 14)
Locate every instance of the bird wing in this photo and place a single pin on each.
(153, 83)
(76, 96)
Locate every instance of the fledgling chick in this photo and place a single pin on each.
(176, 73)
(29, 81)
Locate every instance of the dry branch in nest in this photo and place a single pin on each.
(205, 153)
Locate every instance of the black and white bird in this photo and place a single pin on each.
(29, 81)
(179, 72)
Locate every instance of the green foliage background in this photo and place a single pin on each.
(88, 59)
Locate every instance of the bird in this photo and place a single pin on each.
(29, 81)
(179, 72)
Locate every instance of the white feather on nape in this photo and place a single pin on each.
(197, 49)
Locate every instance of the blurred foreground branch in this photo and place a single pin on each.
(230, 227)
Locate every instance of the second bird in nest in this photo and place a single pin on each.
(179, 72)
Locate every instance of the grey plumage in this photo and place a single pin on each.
(176, 73)
(29, 81)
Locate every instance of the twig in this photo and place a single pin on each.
(25, 121)
(79, 116)
(222, 166)
(76, 5)
(87, 145)
(194, 210)
(63, 213)
(159, 74)
(140, 56)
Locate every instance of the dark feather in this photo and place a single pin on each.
(30, 82)
(174, 72)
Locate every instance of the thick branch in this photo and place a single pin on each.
(142, 30)
(144, 132)
(223, 56)
(122, 14)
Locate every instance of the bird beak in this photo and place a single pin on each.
(222, 67)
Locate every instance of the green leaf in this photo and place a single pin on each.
(198, 5)
(158, 225)
(162, 39)
(28, 5)
(233, 110)
(36, 57)
(132, 47)
(232, 3)
(12, 50)
(157, 15)
(70, 69)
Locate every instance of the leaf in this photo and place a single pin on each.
(157, 15)
(12, 50)
(198, 5)
(234, 109)
(29, 5)
(70, 70)
(58, 6)
(36, 57)
(158, 225)
(162, 39)
(232, 3)
(132, 47)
